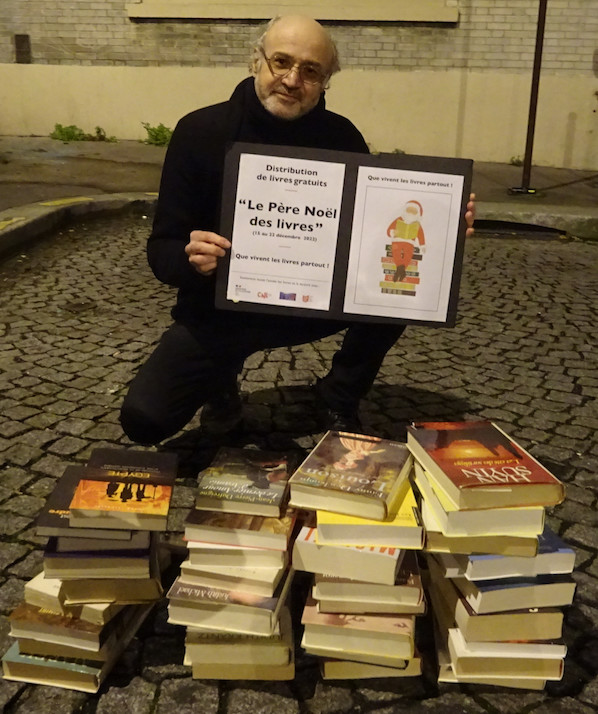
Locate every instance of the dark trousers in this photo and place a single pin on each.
(192, 363)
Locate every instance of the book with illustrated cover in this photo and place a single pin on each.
(401, 529)
(77, 674)
(438, 542)
(227, 610)
(124, 488)
(517, 520)
(244, 481)
(53, 519)
(353, 474)
(478, 465)
(32, 622)
(334, 594)
(240, 529)
(370, 634)
(554, 557)
(376, 564)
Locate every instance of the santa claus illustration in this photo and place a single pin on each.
(405, 231)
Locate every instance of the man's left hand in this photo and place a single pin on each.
(470, 215)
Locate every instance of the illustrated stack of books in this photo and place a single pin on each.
(498, 575)
(367, 591)
(233, 590)
(407, 285)
(101, 569)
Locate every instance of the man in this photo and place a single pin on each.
(198, 359)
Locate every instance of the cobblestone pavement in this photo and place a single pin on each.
(81, 310)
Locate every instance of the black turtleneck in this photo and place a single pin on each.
(192, 179)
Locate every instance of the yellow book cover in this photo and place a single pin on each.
(401, 529)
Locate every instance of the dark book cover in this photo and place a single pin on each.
(247, 476)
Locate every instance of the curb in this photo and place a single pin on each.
(20, 226)
(23, 224)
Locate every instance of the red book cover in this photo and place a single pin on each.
(478, 454)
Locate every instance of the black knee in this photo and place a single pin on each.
(140, 427)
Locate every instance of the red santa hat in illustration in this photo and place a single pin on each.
(413, 211)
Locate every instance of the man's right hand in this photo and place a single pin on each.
(204, 248)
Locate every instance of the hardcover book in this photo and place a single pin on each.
(244, 481)
(239, 529)
(370, 634)
(227, 610)
(353, 474)
(376, 564)
(401, 529)
(477, 465)
(518, 520)
(53, 519)
(123, 488)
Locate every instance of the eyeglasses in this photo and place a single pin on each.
(280, 65)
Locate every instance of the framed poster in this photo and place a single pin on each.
(332, 234)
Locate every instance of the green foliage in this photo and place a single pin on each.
(157, 135)
(74, 133)
(516, 161)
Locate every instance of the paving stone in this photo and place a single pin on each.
(49, 700)
(136, 698)
(266, 697)
(11, 594)
(188, 696)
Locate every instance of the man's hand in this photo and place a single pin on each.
(204, 248)
(470, 215)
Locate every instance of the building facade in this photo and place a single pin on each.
(441, 77)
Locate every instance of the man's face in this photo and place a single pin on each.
(303, 40)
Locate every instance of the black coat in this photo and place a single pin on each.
(191, 182)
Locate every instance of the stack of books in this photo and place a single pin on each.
(498, 575)
(367, 591)
(234, 585)
(100, 579)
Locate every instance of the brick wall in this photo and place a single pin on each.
(491, 35)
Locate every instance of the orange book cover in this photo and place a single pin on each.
(122, 496)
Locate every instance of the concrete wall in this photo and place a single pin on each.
(448, 88)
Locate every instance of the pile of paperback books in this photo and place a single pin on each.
(232, 592)
(101, 570)
(367, 591)
(498, 575)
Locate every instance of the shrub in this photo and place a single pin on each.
(157, 135)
